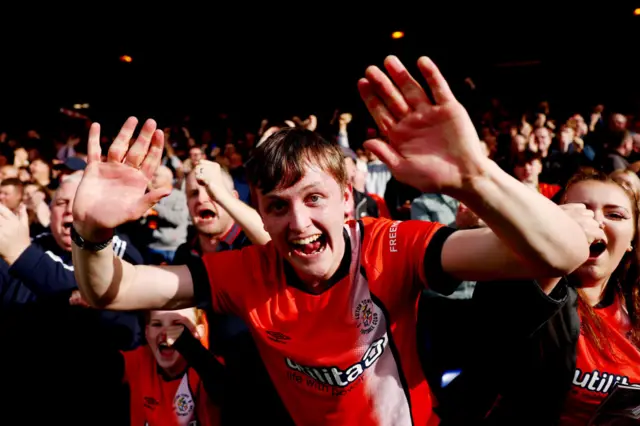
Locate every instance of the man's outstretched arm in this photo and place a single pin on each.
(111, 193)
(433, 146)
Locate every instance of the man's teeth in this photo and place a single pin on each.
(307, 240)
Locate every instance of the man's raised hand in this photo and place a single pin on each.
(432, 146)
(114, 191)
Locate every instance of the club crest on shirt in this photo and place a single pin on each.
(183, 404)
(365, 316)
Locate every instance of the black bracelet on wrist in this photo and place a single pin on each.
(87, 245)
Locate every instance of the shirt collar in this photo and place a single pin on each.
(224, 243)
(229, 237)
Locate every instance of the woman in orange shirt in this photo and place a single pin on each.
(550, 352)
(165, 387)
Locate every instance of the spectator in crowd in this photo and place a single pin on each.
(11, 194)
(172, 218)
(362, 205)
(37, 285)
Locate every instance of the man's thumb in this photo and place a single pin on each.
(151, 198)
(384, 152)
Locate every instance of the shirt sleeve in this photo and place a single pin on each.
(436, 278)
(411, 250)
(222, 280)
(210, 371)
(44, 273)
(522, 303)
(514, 329)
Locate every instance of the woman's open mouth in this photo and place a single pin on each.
(165, 350)
(597, 248)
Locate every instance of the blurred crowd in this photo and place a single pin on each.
(45, 321)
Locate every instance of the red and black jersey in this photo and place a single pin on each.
(596, 375)
(347, 355)
(159, 401)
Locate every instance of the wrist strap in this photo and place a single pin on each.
(87, 245)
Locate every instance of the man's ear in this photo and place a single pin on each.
(348, 200)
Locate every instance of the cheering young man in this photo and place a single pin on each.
(332, 306)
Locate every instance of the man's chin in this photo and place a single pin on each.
(315, 267)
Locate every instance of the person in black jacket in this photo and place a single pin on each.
(42, 269)
(46, 335)
(363, 204)
(563, 347)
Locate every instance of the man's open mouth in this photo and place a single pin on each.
(309, 246)
(207, 214)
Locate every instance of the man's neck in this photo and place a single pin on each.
(317, 286)
(209, 243)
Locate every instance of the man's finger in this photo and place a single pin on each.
(383, 118)
(385, 90)
(138, 151)
(440, 89)
(120, 145)
(94, 151)
(384, 152)
(410, 88)
(153, 155)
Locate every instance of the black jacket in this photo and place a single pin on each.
(44, 273)
(364, 205)
(52, 349)
(522, 356)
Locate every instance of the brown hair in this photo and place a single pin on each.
(17, 183)
(625, 279)
(280, 160)
(526, 156)
(617, 174)
(616, 138)
(571, 123)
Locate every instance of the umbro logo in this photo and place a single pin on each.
(277, 337)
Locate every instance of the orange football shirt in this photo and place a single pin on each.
(348, 355)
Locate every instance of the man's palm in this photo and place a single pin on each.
(114, 192)
(431, 147)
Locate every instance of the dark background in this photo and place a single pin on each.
(305, 57)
